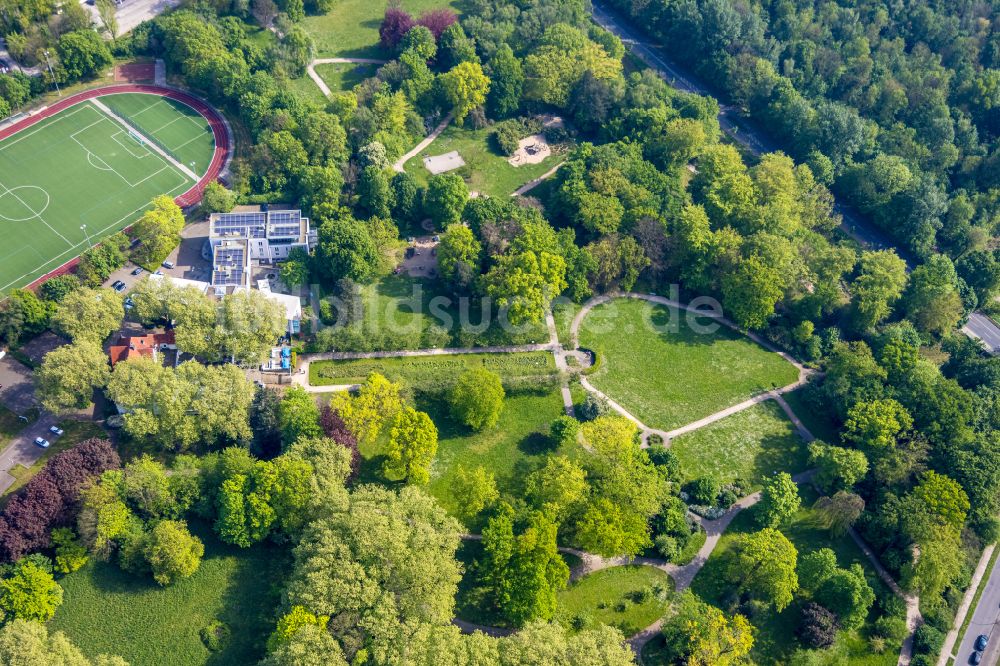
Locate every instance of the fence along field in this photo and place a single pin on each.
(80, 167)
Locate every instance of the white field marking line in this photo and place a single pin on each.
(194, 138)
(84, 242)
(111, 168)
(82, 129)
(183, 169)
(45, 124)
(128, 148)
(90, 159)
(164, 167)
(37, 213)
(153, 132)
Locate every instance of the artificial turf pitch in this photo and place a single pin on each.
(84, 167)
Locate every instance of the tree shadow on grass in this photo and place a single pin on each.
(250, 604)
(778, 453)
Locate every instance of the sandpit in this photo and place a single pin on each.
(530, 150)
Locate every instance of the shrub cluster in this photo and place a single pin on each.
(48, 499)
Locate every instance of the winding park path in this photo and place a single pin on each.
(318, 80)
(428, 140)
(666, 436)
(682, 575)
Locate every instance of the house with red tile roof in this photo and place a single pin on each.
(150, 346)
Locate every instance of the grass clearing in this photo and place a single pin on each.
(485, 171)
(350, 29)
(74, 432)
(775, 638)
(403, 312)
(79, 167)
(106, 610)
(432, 371)
(513, 449)
(629, 598)
(751, 445)
(343, 76)
(668, 375)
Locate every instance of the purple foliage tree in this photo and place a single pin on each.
(396, 23)
(334, 427)
(437, 21)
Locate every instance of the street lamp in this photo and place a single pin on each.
(51, 73)
(83, 228)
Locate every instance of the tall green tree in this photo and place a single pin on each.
(89, 314)
(68, 375)
(762, 567)
(413, 443)
(524, 570)
(477, 398)
(779, 500)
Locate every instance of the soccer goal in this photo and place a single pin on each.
(137, 138)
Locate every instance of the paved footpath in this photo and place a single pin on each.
(318, 80)
(666, 436)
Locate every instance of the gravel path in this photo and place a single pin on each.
(318, 80)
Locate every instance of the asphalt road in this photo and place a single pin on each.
(22, 449)
(753, 139)
(985, 620)
(983, 328)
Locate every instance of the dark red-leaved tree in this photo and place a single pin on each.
(396, 23)
(50, 498)
(437, 21)
(334, 427)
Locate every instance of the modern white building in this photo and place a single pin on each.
(266, 235)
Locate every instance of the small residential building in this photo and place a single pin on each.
(151, 346)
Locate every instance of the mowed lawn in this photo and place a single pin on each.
(403, 312)
(180, 130)
(518, 444)
(668, 375)
(775, 637)
(751, 445)
(106, 610)
(78, 167)
(629, 598)
(342, 76)
(350, 29)
(487, 171)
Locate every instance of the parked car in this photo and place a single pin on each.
(56, 430)
(118, 286)
(976, 658)
(137, 270)
(42, 442)
(168, 264)
(129, 303)
(981, 641)
(158, 272)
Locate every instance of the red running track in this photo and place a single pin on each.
(189, 198)
(215, 121)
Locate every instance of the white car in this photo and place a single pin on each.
(42, 442)
(56, 430)
(168, 264)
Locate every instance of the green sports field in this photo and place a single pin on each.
(86, 166)
(176, 127)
